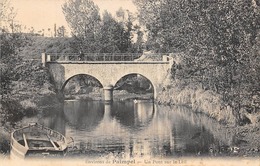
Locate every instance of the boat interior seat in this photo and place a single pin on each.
(35, 133)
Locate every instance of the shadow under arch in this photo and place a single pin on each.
(124, 77)
(83, 116)
(83, 74)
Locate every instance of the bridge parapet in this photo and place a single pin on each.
(101, 57)
(92, 57)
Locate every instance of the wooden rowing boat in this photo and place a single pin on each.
(36, 140)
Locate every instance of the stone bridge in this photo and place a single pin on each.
(107, 72)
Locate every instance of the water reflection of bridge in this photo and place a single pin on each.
(134, 131)
(139, 129)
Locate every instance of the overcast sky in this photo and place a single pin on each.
(43, 14)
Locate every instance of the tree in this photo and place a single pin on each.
(7, 18)
(84, 21)
(10, 31)
(110, 34)
(61, 31)
(139, 44)
(7, 47)
(125, 19)
(218, 39)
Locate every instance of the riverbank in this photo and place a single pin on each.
(4, 142)
(245, 128)
(30, 89)
(30, 92)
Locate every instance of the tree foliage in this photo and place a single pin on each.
(219, 39)
(84, 20)
(10, 42)
(93, 33)
(61, 31)
(82, 16)
(110, 40)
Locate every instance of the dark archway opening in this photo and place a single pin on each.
(82, 86)
(133, 86)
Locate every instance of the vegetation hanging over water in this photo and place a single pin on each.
(217, 45)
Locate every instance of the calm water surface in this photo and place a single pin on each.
(136, 129)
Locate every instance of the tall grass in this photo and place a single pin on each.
(204, 101)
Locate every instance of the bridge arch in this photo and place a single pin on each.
(149, 76)
(134, 73)
(81, 74)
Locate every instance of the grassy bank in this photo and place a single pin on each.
(199, 100)
(4, 141)
(244, 135)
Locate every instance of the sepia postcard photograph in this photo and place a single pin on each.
(130, 82)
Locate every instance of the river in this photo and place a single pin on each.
(135, 129)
